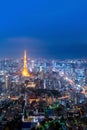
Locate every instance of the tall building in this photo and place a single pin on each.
(44, 84)
(32, 64)
(85, 76)
(25, 71)
(7, 82)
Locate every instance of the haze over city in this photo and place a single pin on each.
(45, 28)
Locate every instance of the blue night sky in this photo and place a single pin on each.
(48, 28)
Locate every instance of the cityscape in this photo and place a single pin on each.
(40, 94)
(43, 65)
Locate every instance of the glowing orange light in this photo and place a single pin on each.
(25, 71)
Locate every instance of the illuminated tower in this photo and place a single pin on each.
(25, 71)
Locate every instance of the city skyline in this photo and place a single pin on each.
(44, 28)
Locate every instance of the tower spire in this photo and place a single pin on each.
(25, 71)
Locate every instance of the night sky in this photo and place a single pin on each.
(45, 28)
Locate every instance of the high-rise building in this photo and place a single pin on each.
(85, 76)
(32, 64)
(7, 82)
(44, 84)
